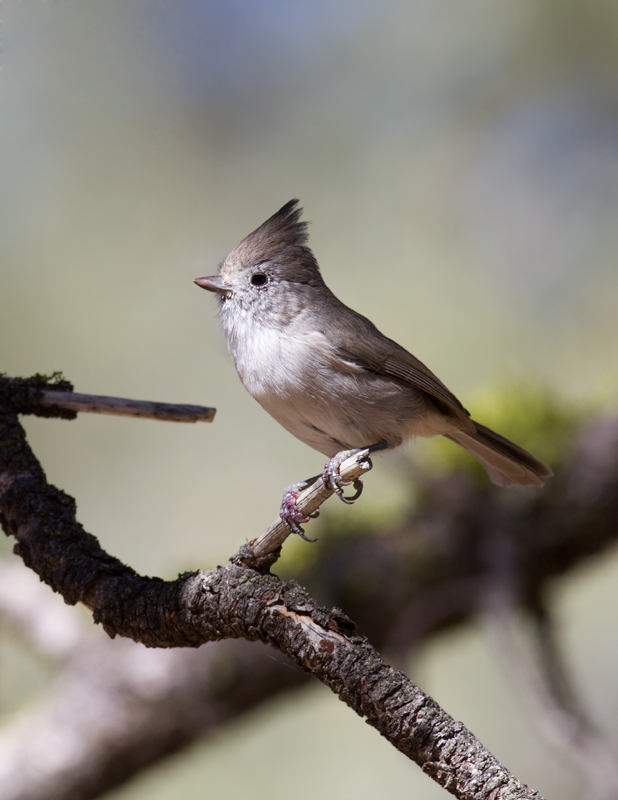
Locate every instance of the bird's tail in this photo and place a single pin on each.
(506, 463)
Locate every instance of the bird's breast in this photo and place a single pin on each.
(270, 361)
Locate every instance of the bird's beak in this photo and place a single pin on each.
(214, 284)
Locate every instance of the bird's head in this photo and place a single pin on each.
(271, 273)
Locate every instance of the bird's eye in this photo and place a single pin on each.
(259, 279)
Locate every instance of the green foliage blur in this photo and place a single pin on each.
(534, 418)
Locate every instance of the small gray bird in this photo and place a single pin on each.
(327, 374)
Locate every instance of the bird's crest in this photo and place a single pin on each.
(281, 239)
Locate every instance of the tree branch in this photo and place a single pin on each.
(45, 397)
(121, 407)
(400, 584)
(257, 553)
(236, 602)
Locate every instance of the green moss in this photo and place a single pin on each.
(54, 379)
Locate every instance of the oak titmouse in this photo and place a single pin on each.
(326, 373)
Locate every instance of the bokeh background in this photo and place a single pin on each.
(459, 164)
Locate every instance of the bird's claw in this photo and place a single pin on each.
(291, 516)
(333, 480)
(358, 485)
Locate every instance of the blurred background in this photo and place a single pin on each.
(459, 165)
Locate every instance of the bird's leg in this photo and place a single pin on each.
(333, 479)
(289, 510)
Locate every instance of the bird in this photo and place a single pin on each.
(327, 374)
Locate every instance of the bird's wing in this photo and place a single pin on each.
(374, 352)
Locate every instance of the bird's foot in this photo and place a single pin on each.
(333, 480)
(290, 513)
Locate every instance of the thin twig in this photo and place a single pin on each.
(119, 406)
(308, 502)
